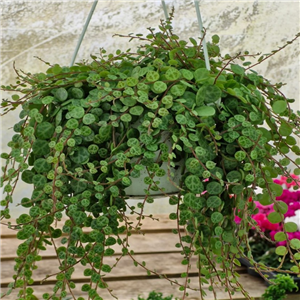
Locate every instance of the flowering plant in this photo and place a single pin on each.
(265, 236)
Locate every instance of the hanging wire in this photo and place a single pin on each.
(165, 9)
(207, 64)
(196, 3)
(83, 31)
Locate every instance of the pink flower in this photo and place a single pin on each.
(264, 223)
(283, 243)
(291, 198)
(237, 219)
(290, 212)
(294, 206)
(270, 226)
(272, 234)
(283, 181)
(265, 209)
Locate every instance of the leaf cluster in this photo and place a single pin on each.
(280, 286)
(88, 132)
(155, 296)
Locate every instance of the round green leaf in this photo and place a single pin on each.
(15, 97)
(214, 201)
(240, 155)
(290, 140)
(281, 250)
(106, 268)
(167, 100)
(188, 198)
(126, 181)
(79, 217)
(72, 123)
(93, 149)
(133, 142)
(81, 155)
(218, 230)
(210, 165)
(297, 171)
(47, 100)
(39, 181)
(194, 166)
(205, 111)
(126, 118)
(234, 176)
(228, 236)
(281, 207)
(131, 81)
(78, 185)
(201, 75)
(40, 147)
(128, 101)
(208, 94)
(136, 110)
(237, 69)
(85, 131)
(26, 232)
(275, 217)
(135, 150)
(181, 119)
(114, 191)
(279, 106)
(172, 74)
(163, 112)
(197, 203)
(194, 184)
(152, 76)
(61, 94)
(77, 112)
(216, 217)
(146, 138)
(27, 176)
(240, 118)
(76, 93)
(105, 133)
(41, 165)
(88, 119)
(187, 74)
(290, 227)
(276, 189)
(238, 189)
(26, 202)
(44, 131)
(285, 129)
(245, 142)
(159, 87)
(214, 188)
(280, 236)
(295, 244)
(264, 199)
(178, 90)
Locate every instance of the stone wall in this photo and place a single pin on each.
(50, 30)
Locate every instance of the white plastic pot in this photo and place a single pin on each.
(138, 186)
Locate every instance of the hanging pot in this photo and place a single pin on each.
(168, 184)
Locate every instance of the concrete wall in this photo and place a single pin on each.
(50, 30)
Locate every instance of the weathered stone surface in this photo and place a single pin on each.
(50, 29)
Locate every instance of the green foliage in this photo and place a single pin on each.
(281, 285)
(155, 296)
(86, 133)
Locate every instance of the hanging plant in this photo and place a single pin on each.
(88, 132)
